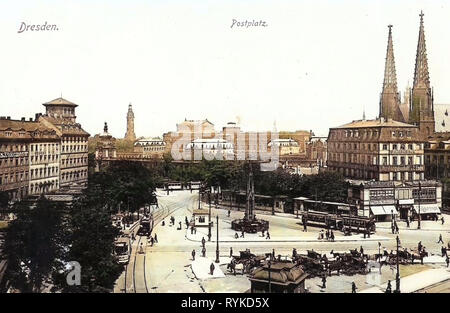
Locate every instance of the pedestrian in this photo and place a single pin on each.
(263, 232)
(419, 246)
(192, 230)
(268, 235)
(179, 223)
(231, 252)
(193, 255)
(447, 260)
(242, 234)
(273, 254)
(353, 287)
(151, 241)
(203, 242)
(294, 253)
(443, 251)
(211, 269)
(440, 239)
(324, 281)
(389, 287)
(156, 238)
(229, 212)
(163, 223)
(204, 252)
(332, 236)
(407, 222)
(327, 234)
(195, 230)
(141, 248)
(361, 250)
(442, 220)
(392, 228)
(236, 236)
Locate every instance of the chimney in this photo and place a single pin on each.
(8, 117)
(23, 119)
(31, 119)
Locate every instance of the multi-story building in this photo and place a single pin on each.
(150, 147)
(60, 116)
(44, 164)
(29, 158)
(387, 199)
(284, 146)
(380, 149)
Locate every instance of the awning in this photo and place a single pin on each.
(377, 210)
(390, 209)
(427, 208)
(383, 210)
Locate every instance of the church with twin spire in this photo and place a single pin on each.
(419, 108)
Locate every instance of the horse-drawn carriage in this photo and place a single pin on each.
(245, 262)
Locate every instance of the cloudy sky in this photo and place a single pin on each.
(316, 65)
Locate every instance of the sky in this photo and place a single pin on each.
(316, 65)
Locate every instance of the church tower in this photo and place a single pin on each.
(390, 98)
(422, 108)
(130, 135)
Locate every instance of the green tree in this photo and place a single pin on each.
(34, 244)
(92, 237)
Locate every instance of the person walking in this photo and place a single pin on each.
(152, 241)
(203, 242)
(389, 287)
(204, 252)
(447, 260)
(361, 250)
(332, 236)
(354, 287)
(242, 234)
(442, 220)
(156, 238)
(268, 235)
(229, 212)
(211, 269)
(407, 222)
(440, 239)
(273, 254)
(231, 252)
(193, 255)
(324, 281)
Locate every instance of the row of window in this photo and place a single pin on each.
(74, 161)
(13, 148)
(74, 148)
(43, 172)
(73, 175)
(373, 160)
(374, 147)
(44, 147)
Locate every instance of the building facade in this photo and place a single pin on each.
(389, 200)
(377, 150)
(60, 116)
(29, 158)
(150, 147)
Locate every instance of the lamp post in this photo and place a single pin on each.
(269, 263)
(419, 219)
(379, 253)
(397, 276)
(209, 218)
(199, 198)
(217, 240)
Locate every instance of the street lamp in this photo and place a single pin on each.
(397, 276)
(217, 240)
(419, 219)
(209, 217)
(269, 263)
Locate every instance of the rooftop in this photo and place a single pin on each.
(60, 101)
(380, 122)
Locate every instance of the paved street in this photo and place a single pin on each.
(166, 267)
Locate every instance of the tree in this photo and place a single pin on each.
(34, 245)
(92, 237)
